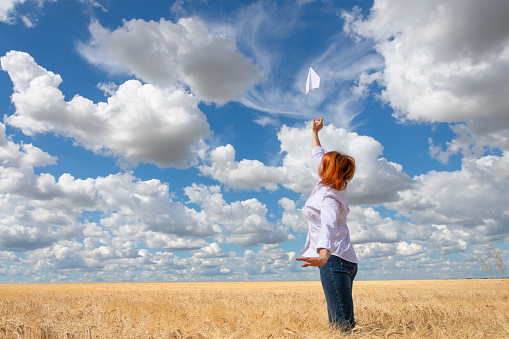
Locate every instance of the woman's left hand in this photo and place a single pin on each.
(316, 261)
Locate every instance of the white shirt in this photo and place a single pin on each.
(326, 210)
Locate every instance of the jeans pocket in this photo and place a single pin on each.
(349, 267)
(344, 266)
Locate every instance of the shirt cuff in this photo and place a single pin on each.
(324, 242)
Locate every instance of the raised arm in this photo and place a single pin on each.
(317, 126)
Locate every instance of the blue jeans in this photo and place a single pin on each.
(337, 277)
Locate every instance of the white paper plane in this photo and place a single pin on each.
(313, 81)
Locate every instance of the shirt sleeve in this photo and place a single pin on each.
(317, 153)
(329, 221)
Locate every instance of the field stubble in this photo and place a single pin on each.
(384, 309)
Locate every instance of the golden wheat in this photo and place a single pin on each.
(388, 309)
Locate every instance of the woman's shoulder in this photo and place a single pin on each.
(334, 193)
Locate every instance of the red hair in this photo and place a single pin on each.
(337, 170)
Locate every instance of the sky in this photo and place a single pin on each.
(147, 141)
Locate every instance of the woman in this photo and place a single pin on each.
(328, 243)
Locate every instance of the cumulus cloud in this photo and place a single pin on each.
(220, 164)
(47, 219)
(119, 259)
(292, 216)
(243, 223)
(246, 174)
(212, 250)
(445, 61)
(472, 200)
(376, 180)
(24, 225)
(407, 249)
(44, 217)
(38, 210)
(437, 212)
(465, 143)
(138, 123)
(367, 225)
(375, 250)
(24, 155)
(167, 54)
(111, 228)
(172, 243)
(270, 259)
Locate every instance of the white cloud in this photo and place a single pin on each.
(24, 226)
(246, 174)
(28, 11)
(60, 256)
(374, 250)
(265, 120)
(242, 223)
(93, 3)
(269, 260)
(466, 143)
(472, 200)
(41, 210)
(24, 155)
(366, 225)
(172, 243)
(446, 240)
(7, 10)
(407, 249)
(38, 210)
(121, 228)
(109, 88)
(41, 216)
(445, 61)
(293, 217)
(212, 250)
(376, 180)
(166, 54)
(139, 123)
(117, 260)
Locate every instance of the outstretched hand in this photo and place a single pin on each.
(316, 261)
(317, 124)
(312, 261)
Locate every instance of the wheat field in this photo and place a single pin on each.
(384, 309)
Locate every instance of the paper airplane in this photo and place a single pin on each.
(313, 81)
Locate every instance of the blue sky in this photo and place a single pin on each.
(170, 140)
